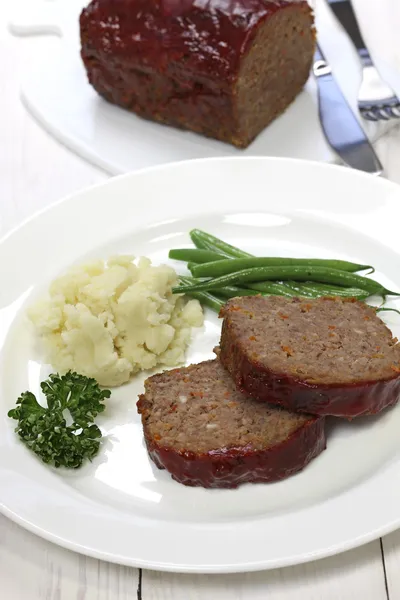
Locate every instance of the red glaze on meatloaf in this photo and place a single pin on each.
(204, 432)
(222, 68)
(328, 356)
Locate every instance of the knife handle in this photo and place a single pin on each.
(344, 12)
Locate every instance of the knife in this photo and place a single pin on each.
(341, 128)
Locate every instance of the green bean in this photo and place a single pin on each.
(201, 239)
(316, 290)
(190, 280)
(272, 289)
(204, 298)
(203, 245)
(226, 292)
(294, 288)
(321, 289)
(195, 255)
(231, 291)
(381, 309)
(267, 288)
(300, 273)
(298, 289)
(191, 266)
(223, 267)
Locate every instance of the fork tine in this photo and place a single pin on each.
(384, 113)
(395, 111)
(369, 114)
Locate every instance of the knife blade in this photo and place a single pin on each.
(344, 12)
(340, 126)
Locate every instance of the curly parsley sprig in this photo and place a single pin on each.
(44, 429)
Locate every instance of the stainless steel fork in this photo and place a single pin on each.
(376, 100)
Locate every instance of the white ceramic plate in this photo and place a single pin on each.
(121, 508)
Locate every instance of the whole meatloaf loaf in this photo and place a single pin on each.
(328, 356)
(221, 68)
(205, 433)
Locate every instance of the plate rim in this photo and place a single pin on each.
(185, 163)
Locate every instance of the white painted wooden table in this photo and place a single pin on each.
(35, 171)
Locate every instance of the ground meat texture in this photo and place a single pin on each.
(328, 356)
(221, 69)
(199, 427)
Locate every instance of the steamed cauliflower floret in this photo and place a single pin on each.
(192, 313)
(110, 320)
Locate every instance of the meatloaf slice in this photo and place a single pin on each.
(328, 356)
(200, 428)
(221, 69)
